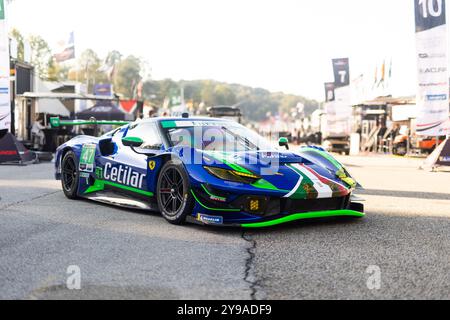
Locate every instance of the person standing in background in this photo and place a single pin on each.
(37, 131)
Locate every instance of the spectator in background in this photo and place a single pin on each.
(152, 113)
(37, 131)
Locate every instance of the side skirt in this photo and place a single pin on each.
(116, 199)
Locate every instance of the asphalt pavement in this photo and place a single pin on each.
(400, 250)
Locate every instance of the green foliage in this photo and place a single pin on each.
(88, 69)
(58, 72)
(113, 57)
(128, 75)
(15, 34)
(41, 57)
(255, 103)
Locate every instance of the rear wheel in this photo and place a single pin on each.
(69, 175)
(173, 193)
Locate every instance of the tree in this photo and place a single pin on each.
(207, 92)
(127, 77)
(15, 34)
(113, 58)
(224, 96)
(151, 91)
(89, 64)
(58, 72)
(41, 56)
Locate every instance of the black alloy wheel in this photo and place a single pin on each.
(69, 175)
(173, 194)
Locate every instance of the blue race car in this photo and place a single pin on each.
(204, 170)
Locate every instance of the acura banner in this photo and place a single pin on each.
(432, 67)
(5, 99)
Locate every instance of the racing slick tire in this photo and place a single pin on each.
(174, 199)
(70, 175)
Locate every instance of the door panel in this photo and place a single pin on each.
(129, 171)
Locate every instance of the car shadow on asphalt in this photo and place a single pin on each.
(316, 222)
(155, 214)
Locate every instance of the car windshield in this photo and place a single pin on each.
(218, 136)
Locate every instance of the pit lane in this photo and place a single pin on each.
(128, 254)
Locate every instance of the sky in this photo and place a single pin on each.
(280, 45)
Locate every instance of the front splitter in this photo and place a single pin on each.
(303, 216)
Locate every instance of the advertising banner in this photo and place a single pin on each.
(339, 113)
(339, 110)
(5, 98)
(341, 70)
(432, 67)
(66, 50)
(103, 90)
(329, 91)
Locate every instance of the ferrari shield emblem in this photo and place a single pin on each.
(152, 165)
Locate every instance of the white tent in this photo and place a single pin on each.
(50, 106)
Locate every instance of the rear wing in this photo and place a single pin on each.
(57, 122)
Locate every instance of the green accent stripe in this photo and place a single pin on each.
(266, 185)
(236, 167)
(135, 190)
(213, 209)
(100, 185)
(56, 123)
(302, 216)
(168, 124)
(100, 122)
(222, 157)
(212, 195)
(301, 193)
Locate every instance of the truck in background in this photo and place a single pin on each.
(227, 112)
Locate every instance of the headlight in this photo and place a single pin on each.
(345, 176)
(231, 175)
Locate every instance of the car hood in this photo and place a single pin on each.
(299, 175)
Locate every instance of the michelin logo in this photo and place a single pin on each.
(209, 219)
(123, 175)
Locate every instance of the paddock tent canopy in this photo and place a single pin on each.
(50, 106)
(104, 110)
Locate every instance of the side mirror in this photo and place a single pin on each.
(284, 142)
(133, 142)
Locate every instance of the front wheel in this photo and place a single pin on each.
(174, 199)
